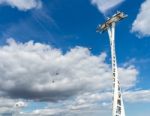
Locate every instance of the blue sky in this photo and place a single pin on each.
(52, 60)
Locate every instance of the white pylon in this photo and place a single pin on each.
(117, 106)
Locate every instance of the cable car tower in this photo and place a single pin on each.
(109, 25)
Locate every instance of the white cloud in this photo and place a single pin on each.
(8, 105)
(87, 100)
(105, 5)
(137, 96)
(38, 71)
(22, 4)
(47, 112)
(141, 23)
(77, 80)
(92, 104)
(127, 77)
(91, 101)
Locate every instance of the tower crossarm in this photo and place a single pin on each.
(114, 19)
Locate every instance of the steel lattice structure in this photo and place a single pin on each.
(109, 25)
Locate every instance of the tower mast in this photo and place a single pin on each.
(109, 25)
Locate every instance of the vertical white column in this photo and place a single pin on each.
(116, 86)
(111, 32)
(123, 110)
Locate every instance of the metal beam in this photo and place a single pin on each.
(114, 19)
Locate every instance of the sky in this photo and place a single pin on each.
(53, 63)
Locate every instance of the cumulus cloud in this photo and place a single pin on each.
(77, 79)
(130, 81)
(88, 104)
(105, 5)
(6, 104)
(141, 23)
(137, 96)
(104, 99)
(73, 83)
(92, 100)
(22, 4)
(11, 106)
(38, 71)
